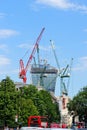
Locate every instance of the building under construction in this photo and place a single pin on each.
(44, 76)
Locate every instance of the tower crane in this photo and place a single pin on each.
(23, 70)
(65, 78)
(52, 44)
(64, 73)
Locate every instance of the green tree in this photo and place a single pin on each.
(79, 104)
(51, 109)
(27, 94)
(42, 100)
(8, 106)
(25, 102)
(27, 108)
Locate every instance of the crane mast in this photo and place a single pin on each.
(65, 78)
(23, 70)
(64, 73)
(52, 44)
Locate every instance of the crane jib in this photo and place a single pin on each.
(34, 50)
(30, 58)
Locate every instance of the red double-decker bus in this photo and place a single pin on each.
(38, 121)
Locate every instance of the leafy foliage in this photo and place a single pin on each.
(25, 102)
(8, 107)
(79, 104)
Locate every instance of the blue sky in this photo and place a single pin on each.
(65, 23)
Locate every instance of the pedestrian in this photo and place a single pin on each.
(6, 127)
(20, 126)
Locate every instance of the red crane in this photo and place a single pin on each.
(23, 70)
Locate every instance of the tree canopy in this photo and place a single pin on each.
(25, 102)
(79, 104)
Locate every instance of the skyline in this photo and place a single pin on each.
(65, 23)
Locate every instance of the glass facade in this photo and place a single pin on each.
(44, 76)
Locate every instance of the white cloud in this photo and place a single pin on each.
(27, 46)
(63, 4)
(9, 72)
(85, 30)
(4, 47)
(4, 33)
(2, 15)
(4, 60)
(56, 3)
(85, 42)
(44, 48)
(34, 7)
(82, 64)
